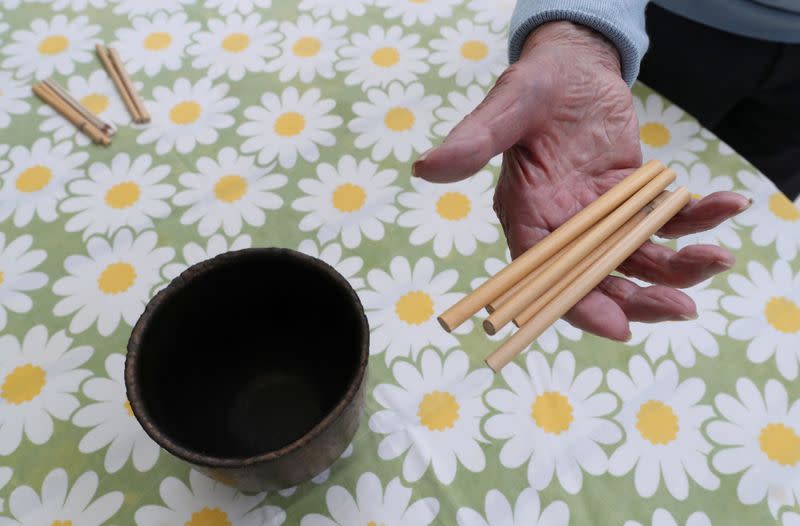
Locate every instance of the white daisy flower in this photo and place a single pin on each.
(667, 134)
(497, 13)
(685, 338)
(350, 199)
(662, 420)
(549, 340)
(8, 5)
(701, 182)
(470, 53)
(35, 183)
(396, 121)
(122, 193)
(155, 44)
(97, 94)
(433, 416)
(768, 314)
(773, 217)
(662, 517)
(3, 25)
(289, 125)
(372, 506)
(12, 98)
(112, 421)
(337, 9)
(412, 11)
(791, 518)
(322, 477)
(461, 105)
(308, 49)
(134, 8)
(5, 475)
(456, 214)
(187, 114)
(194, 253)
(113, 282)
(553, 420)
(527, 511)
(348, 267)
(78, 5)
(234, 46)
(51, 46)
(402, 306)
(17, 276)
(762, 435)
(723, 148)
(61, 505)
(39, 376)
(244, 7)
(227, 192)
(207, 502)
(381, 56)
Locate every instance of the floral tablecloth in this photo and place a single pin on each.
(293, 124)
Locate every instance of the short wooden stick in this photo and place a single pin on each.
(65, 110)
(100, 124)
(115, 78)
(588, 280)
(116, 60)
(542, 251)
(577, 252)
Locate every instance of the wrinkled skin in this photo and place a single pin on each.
(565, 121)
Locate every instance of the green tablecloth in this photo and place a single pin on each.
(289, 124)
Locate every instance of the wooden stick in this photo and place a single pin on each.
(116, 60)
(115, 78)
(546, 248)
(100, 124)
(588, 280)
(551, 293)
(577, 252)
(59, 105)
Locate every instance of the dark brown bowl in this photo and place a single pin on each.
(251, 366)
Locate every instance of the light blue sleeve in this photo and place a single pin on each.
(621, 21)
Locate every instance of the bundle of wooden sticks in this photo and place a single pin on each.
(545, 282)
(94, 127)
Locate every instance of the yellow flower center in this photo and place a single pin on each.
(386, 57)
(34, 178)
(453, 206)
(552, 412)
(414, 308)
(783, 314)
(438, 411)
(697, 196)
(349, 197)
(290, 124)
(157, 41)
(236, 42)
(474, 50)
(116, 278)
(123, 195)
(185, 112)
(307, 47)
(230, 188)
(2, 277)
(61, 523)
(654, 134)
(95, 102)
(780, 205)
(23, 384)
(657, 422)
(209, 517)
(781, 444)
(418, 1)
(53, 45)
(128, 408)
(399, 119)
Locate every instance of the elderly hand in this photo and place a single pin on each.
(564, 119)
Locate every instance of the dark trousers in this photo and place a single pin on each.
(745, 90)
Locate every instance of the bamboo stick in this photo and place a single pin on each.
(116, 60)
(584, 265)
(115, 78)
(588, 280)
(100, 124)
(542, 251)
(577, 252)
(59, 105)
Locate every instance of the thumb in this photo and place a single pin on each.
(507, 112)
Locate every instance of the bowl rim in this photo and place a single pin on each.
(186, 278)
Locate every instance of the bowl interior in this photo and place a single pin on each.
(248, 354)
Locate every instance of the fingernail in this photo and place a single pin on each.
(420, 159)
(688, 317)
(745, 206)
